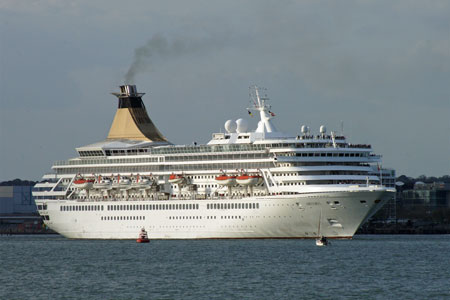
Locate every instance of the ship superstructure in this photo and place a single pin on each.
(242, 184)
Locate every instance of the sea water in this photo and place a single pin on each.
(367, 267)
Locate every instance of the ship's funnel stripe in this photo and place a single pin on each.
(131, 120)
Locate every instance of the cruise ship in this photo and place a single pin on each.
(243, 183)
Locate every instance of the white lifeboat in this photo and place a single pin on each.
(226, 180)
(246, 179)
(176, 179)
(83, 183)
(101, 183)
(141, 182)
(124, 183)
(121, 183)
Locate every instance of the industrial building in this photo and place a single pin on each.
(18, 212)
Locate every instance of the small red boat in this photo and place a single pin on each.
(143, 237)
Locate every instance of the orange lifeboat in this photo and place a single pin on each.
(176, 179)
(246, 179)
(226, 180)
(83, 183)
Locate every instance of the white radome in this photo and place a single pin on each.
(230, 126)
(242, 125)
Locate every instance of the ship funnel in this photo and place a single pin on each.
(128, 90)
(131, 121)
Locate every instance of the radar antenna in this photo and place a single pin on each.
(259, 103)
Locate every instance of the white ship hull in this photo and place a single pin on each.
(296, 184)
(269, 217)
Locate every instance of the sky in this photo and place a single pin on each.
(381, 68)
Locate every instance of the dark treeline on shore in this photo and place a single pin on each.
(410, 181)
(18, 182)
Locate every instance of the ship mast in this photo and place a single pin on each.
(259, 104)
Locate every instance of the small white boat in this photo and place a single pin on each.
(321, 240)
